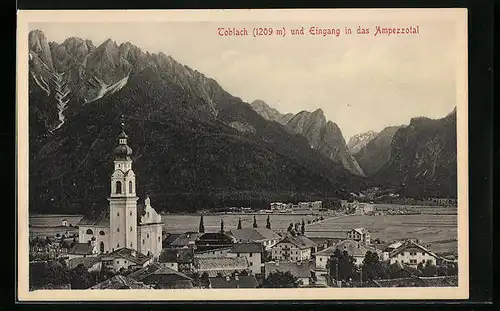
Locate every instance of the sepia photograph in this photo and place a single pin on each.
(310, 152)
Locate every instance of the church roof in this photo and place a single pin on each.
(98, 217)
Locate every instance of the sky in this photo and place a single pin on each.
(361, 82)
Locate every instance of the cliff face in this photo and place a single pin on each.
(324, 136)
(358, 141)
(270, 113)
(377, 152)
(423, 158)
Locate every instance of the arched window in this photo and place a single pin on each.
(101, 247)
(130, 213)
(118, 187)
(130, 244)
(117, 229)
(89, 231)
(130, 187)
(117, 214)
(147, 235)
(130, 229)
(101, 233)
(118, 245)
(159, 239)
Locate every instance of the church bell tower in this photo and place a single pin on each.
(123, 198)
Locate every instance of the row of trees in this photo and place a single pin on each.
(56, 273)
(342, 267)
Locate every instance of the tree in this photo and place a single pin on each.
(254, 222)
(303, 227)
(372, 267)
(239, 223)
(429, 269)
(221, 226)
(281, 280)
(81, 278)
(48, 273)
(268, 224)
(201, 229)
(341, 265)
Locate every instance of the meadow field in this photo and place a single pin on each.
(435, 227)
(437, 231)
(181, 223)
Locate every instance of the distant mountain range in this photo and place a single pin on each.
(195, 145)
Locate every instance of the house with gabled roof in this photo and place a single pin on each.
(161, 277)
(359, 234)
(252, 251)
(293, 248)
(411, 253)
(125, 258)
(355, 249)
(303, 271)
(267, 237)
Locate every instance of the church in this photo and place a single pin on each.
(125, 224)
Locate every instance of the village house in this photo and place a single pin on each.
(321, 259)
(178, 259)
(304, 271)
(185, 240)
(120, 282)
(355, 249)
(389, 249)
(87, 249)
(268, 238)
(222, 266)
(253, 252)
(412, 254)
(292, 248)
(90, 263)
(360, 235)
(160, 277)
(123, 224)
(125, 258)
(236, 281)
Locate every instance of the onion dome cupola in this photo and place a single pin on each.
(122, 151)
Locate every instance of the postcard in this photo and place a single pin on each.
(242, 155)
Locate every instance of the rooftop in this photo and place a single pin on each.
(98, 216)
(120, 282)
(300, 241)
(158, 273)
(242, 281)
(129, 254)
(222, 263)
(247, 248)
(254, 234)
(300, 270)
(185, 239)
(87, 262)
(354, 248)
(411, 244)
(81, 249)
